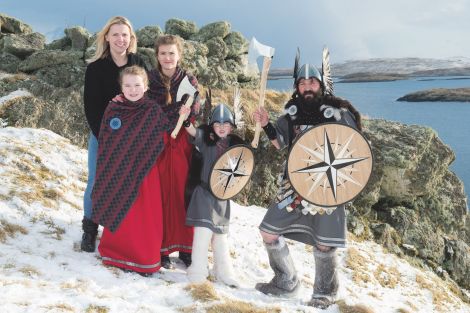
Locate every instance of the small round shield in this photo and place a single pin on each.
(330, 164)
(231, 172)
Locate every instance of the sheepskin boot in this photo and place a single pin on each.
(223, 270)
(326, 283)
(90, 231)
(197, 271)
(285, 282)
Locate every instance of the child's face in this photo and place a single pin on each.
(133, 87)
(222, 129)
(168, 56)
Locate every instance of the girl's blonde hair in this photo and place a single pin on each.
(102, 46)
(134, 70)
(168, 40)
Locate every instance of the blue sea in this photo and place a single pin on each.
(378, 100)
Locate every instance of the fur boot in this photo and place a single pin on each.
(285, 282)
(223, 270)
(197, 271)
(326, 283)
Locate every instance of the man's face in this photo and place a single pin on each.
(308, 88)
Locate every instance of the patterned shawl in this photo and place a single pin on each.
(130, 141)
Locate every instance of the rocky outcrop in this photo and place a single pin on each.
(11, 25)
(214, 53)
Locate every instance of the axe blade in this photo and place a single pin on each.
(257, 49)
(185, 87)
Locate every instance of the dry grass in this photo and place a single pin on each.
(403, 310)
(8, 229)
(96, 309)
(54, 230)
(358, 263)
(357, 308)
(204, 292)
(60, 306)
(15, 78)
(30, 271)
(231, 306)
(440, 296)
(387, 277)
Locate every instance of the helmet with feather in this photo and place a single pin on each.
(308, 71)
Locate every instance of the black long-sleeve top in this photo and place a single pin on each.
(101, 85)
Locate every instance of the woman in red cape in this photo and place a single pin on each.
(173, 163)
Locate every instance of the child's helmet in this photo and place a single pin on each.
(222, 114)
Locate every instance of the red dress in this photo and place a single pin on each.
(173, 165)
(135, 245)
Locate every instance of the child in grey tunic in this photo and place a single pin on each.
(209, 215)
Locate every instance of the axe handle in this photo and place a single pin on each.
(262, 91)
(182, 117)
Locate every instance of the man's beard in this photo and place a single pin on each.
(310, 104)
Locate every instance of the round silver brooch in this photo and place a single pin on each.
(329, 112)
(115, 123)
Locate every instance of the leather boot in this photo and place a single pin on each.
(90, 231)
(185, 257)
(285, 282)
(325, 287)
(222, 264)
(166, 262)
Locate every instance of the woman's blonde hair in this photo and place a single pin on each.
(102, 46)
(168, 40)
(134, 70)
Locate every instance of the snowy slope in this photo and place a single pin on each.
(42, 178)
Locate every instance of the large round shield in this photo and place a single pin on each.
(231, 172)
(330, 164)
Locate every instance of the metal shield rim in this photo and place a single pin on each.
(249, 178)
(368, 178)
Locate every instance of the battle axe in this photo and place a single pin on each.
(185, 88)
(255, 50)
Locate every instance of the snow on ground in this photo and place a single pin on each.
(13, 95)
(42, 178)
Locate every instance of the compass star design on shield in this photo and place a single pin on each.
(329, 172)
(231, 172)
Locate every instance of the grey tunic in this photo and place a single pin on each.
(327, 230)
(204, 209)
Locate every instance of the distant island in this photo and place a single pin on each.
(371, 77)
(383, 70)
(438, 94)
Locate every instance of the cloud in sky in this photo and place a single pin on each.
(351, 29)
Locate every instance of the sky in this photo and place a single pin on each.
(351, 29)
(43, 269)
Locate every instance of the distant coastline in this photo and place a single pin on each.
(438, 94)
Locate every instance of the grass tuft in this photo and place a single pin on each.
(231, 306)
(357, 308)
(204, 292)
(8, 229)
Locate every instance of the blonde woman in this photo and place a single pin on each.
(116, 45)
(174, 161)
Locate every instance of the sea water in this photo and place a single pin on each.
(451, 120)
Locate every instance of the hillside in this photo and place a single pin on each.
(43, 269)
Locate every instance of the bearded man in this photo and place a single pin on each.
(312, 103)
